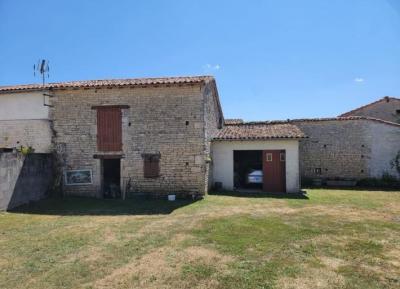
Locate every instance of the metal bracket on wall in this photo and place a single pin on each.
(44, 99)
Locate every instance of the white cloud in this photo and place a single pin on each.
(211, 66)
(359, 79)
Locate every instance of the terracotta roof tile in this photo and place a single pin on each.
(259, 131)
(279, 129)
(109, 83)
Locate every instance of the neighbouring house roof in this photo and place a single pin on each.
(109, 83)
(354, 111)
(233, 121)
(260, 131)
(347, 118)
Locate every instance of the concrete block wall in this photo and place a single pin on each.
(24, 179)
(10, 167)
(164, 119)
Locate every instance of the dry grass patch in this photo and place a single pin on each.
(313, 278)
(164, 267)
(334, 239)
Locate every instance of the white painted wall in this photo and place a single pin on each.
(23, 105)
(223, 160)
(24, 121)
(385, 143)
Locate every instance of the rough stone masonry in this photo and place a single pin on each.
(175, 121)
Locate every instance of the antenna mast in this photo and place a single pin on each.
(42, 67)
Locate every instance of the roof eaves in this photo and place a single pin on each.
(109, 83)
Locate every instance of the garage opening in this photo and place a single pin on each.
(248, 169)
(111, 178)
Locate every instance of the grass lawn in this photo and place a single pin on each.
(334, 239)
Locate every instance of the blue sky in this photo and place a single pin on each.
(272, 59)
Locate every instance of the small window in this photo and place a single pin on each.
(282, 157)
(318, 171)
(269, 157)
(151, 165)
(397, 111)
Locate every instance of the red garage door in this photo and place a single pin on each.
(109, 129)
(274, 171)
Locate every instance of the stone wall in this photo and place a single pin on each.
(353, 149)
(24, 179)
(35, 133)
(213, 120)
(167, 119)
(387, 109)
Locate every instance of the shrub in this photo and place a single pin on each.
(25, 150)
(386, 181)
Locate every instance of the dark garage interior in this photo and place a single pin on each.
(111, 178)
(248, 169)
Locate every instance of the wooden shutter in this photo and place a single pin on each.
(151, 166)
(109, 129)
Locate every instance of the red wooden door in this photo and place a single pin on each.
(274, 171)
(109, 129)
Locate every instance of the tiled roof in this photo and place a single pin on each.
(109, 83)
(344, 119)
(279, 129)
(233, 121)
(260, 131)
(352, 112)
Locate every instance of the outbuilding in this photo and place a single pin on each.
(257, 156)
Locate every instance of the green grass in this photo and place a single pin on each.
(333, 239)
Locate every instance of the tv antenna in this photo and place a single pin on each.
(42, 67)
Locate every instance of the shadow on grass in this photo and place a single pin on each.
(354, 188)
(74, 206)
(301, 195)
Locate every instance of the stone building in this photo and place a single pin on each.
(361, 143)
(387, 108)
(348, 147)
(114, 138)
(139, 135)
(155, 136)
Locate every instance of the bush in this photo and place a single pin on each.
(25, 150)
(386, 181)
